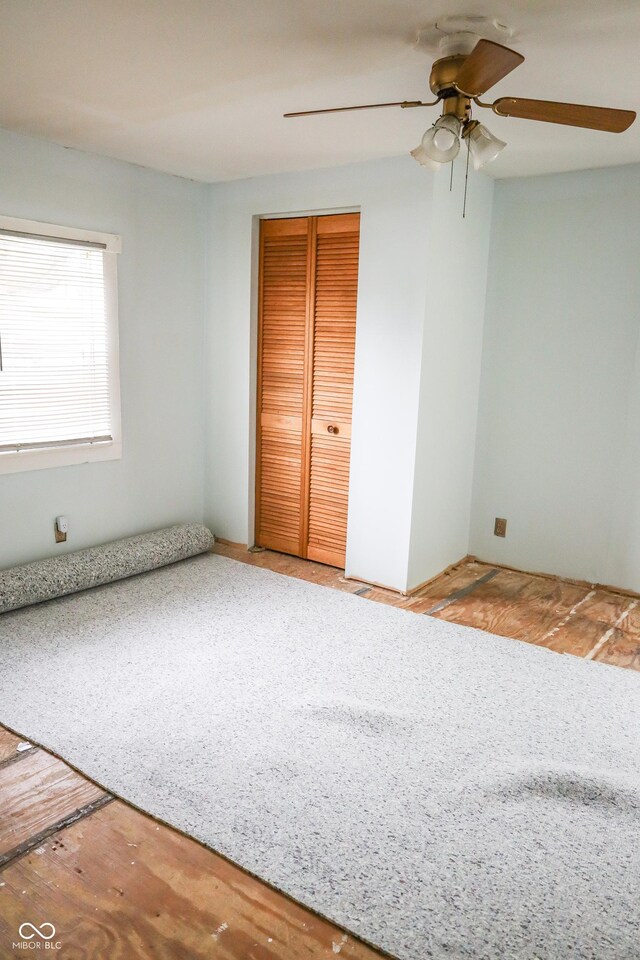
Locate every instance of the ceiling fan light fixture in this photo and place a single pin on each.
(483, 145)
(423, 158)
(441, 142)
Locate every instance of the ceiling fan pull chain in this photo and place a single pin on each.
(466, 180)
(451, 177)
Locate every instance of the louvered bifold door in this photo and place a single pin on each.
(334, 339)
(283, 321)
(306, 344)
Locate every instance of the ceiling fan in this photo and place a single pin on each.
(459, 79)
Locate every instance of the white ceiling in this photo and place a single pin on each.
(198, 87)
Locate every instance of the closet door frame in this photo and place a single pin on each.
(312, 215)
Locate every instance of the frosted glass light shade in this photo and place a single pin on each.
(423, 158)
(441, 142)
(483, 146)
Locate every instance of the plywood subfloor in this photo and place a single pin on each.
(117, 884)
(577, 619)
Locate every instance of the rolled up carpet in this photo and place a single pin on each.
(58, 576)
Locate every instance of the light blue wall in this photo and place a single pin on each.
(558, 442)
(162, 277)
(395, 200)
(421, 295)
(450, 373)
(557, 449)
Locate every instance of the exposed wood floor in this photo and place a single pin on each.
(116, 884)
(578, 619)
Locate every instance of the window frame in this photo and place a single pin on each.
(63, 455)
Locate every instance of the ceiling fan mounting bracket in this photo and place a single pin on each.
(459, 34)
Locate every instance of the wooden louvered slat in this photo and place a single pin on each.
(336, 288)
(306, 347)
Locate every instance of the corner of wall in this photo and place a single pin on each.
(450, 376)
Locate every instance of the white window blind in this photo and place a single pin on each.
(54, 344)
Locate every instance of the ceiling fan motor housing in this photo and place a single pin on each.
(442, 82)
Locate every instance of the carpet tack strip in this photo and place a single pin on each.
(609, 633)
(37, 839)
(568, 616)
(463, 592)
(17, 756)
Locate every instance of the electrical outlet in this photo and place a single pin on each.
(500, 527)
(60, 529)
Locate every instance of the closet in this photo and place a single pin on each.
(307, 293)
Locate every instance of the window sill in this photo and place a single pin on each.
(49, 458)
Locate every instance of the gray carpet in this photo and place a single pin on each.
(441, 792)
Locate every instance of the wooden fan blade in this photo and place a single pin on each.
(487, 63)
(571, 114)
(364, 106)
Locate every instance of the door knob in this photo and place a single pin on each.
(332, 428)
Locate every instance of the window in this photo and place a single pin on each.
(59, 384)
